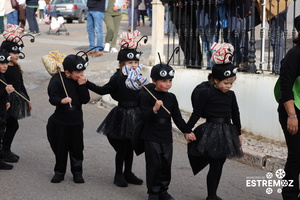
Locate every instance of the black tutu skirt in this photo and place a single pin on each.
(120, 122)
(19, 108)
(216, 140)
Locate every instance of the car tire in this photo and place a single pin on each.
(81, 18)
(69, 21)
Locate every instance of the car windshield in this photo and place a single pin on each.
(62, 1)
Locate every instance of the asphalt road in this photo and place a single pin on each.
(30, 178)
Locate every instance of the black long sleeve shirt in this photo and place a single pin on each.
(154, 130)
(289, 71)
(3, 97)
(14, 77)
(116, 88)
(213, 103)
(78, 93)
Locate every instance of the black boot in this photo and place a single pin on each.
(57, 178)
(120, 181)
(165, 196)
(131, 178)
(77, 178)
(10, 157)
(5, 166)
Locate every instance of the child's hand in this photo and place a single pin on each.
(241, 139)
(82, 80)
(7, 105)
(30, 106)
(9, 89)
(157, 105)
(190, 137)
(66, 100)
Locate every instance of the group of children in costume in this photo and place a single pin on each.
(152, 105)
(14, 98)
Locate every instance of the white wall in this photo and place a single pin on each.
(258, 107)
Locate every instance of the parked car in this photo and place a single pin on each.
(70, 9)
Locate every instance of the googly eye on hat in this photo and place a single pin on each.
(4, 56)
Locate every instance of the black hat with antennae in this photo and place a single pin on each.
(126, 53)
(16, 47)
(163, 71)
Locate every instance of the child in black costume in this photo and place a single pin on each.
(119, 124)
(19, 108)
(4, 104)
(217, 138)
(67, 91)
(157, 131)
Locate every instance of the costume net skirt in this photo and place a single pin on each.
(120, 122)
(19, 108)
(216, 140)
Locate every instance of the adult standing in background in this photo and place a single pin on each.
(11, 13)
(42, 6)
(136, 4)
(22, 14)
(2, 13)
(142, 12)
(95, 16)
(289, 112)
(112, 19)
(31, 8)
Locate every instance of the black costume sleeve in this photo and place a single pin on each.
(146, 104)
(84, 95)
(198, 108)
(23, 89)
(177, 117)
(53, 91)
(108, 88)
(236, 115)
(289, 71)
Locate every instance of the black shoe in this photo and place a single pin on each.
(5, 166)
(131, 178)
(153, 197)
(10, 157)
(77, 178)
(120, 181)
(165, 196)
(57, 178)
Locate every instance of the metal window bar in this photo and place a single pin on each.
(190, 27)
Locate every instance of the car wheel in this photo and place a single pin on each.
(69, 20)
(81, 18)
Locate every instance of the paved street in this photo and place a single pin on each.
(30, 178)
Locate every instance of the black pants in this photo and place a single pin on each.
(12, 126)
(2, 132)
(292, 166)
(158, 166)
(63, 140)
(214, 175)
(124, 154)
